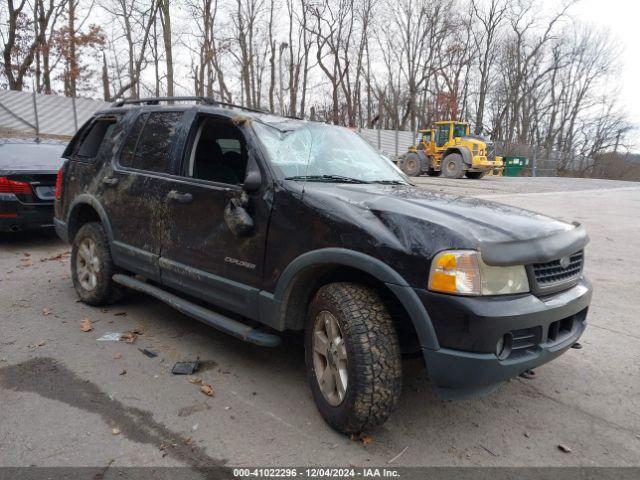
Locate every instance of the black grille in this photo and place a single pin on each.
(554, 273)
(559, 329)
(525, 341)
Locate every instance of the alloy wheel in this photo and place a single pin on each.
(330, 358)
(88, 264)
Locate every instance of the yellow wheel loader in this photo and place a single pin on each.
(450, 149)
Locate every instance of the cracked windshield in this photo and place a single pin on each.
(323, 153)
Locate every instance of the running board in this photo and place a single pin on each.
(216, 320)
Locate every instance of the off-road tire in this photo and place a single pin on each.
(411, 165)
(475, 175)
(453, 166)
(433, 172)
(106, 290)
(373, 357)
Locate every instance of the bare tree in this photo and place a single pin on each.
(486, 36)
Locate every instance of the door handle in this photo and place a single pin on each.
(110, 181)
(179, 197)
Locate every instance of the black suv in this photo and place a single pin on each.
(257, 224)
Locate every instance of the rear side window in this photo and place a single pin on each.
(95, 137)
(149, 143)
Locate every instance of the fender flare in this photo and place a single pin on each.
(370, 265)
(86, 199)
(464, 152)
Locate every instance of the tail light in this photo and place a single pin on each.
(14, 186)
(59, 184)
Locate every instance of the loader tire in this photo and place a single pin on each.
(411, 165)
(453, 166)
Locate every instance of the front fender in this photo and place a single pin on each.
(464, 152)
(273, 306)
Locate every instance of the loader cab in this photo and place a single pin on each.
(449, 130)
(424, 139)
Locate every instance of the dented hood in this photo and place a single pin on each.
(504, 234)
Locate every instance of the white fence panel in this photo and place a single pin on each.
(55, 114)
(391, 142)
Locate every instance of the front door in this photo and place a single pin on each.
(203, 254)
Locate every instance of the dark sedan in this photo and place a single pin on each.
(28, 183)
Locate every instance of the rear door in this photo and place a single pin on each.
(201, 255)
(134, 192)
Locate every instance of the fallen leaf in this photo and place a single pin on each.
(195, 380)
(85, 325)
(564, 448)
(128, 337)
(46, 311)
(207, 389)
(365, 439)
(115, 431)
(188, 441)
(117, 356)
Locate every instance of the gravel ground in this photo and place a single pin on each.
(67, 399)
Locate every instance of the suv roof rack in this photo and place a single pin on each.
(197, 99)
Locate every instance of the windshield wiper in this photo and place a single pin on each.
(388, 182)
(326, 178)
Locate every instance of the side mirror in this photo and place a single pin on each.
(252, 181)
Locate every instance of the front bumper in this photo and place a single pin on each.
(468, 330)
(16, 216)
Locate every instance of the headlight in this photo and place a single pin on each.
(463, 272)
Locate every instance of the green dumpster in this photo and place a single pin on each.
(513, 166)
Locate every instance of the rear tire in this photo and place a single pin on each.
(453, 166)
(411, 165)
(92, 268)
(353, 357)
(475, 175)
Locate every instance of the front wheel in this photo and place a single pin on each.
(353, 357)
(453, 166)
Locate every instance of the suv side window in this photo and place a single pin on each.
(149, 142)
(94, 137)
(218, 153)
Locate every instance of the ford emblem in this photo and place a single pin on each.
(565, 262)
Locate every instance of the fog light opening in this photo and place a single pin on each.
(503, 346)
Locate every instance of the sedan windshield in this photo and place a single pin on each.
(325, 153)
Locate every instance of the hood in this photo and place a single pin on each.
(433, 220)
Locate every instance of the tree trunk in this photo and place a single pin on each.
(165, 17)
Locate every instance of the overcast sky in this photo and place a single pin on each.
(621, 18)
